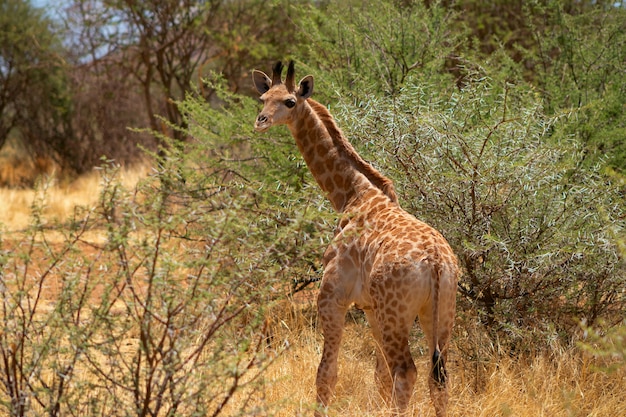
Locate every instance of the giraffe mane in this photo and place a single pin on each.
(347, 150)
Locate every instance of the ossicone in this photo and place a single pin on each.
(277, 71)
(290, 81)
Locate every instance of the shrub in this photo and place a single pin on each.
(364, 47)
(534, 230)
(165, 313)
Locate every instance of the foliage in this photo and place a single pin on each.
(167, 313)
(610, 346)
(126, 63)
(281, 194)
(534, 230)
(105, 66)
(61, 115)
(571, 51)
(501, 158)
(33, 92)
(166, 46)
(364, 47)
(39, 354)
(587, 74)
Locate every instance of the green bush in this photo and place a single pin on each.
(363, 46)
(167, 313)
(502, 139)
(533, 228)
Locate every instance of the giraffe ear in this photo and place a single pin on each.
(261, 81)
(306, 87)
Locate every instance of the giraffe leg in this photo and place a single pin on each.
(382, 373)
(437, 375)
(437, 379)
(447, 307)
(331, 316)
(399, 365)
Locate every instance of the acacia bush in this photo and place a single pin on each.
(505, 149)
(362, 47)
(535, 231)
(572, 52)
(166, 312)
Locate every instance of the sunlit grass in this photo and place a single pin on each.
(562, 382)
(61, 199)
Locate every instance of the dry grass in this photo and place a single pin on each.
(564, 383)
(61, 199)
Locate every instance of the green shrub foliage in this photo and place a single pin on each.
(534, 229)
(502, 139)
(168, 312)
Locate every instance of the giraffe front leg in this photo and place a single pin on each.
(331, 316)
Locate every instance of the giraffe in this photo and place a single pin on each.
(390, 264)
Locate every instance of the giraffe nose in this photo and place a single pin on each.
(262, 123)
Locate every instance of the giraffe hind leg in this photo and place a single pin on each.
(437, 375)
(438, 378)
(438, 396)
(399, 367)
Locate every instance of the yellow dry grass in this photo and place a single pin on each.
(558, 383)
(61, 198)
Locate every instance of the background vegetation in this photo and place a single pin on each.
(187, 290)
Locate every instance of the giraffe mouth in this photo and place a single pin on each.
(262, 127)
(262, 123)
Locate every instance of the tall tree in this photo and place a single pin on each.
(169, 45)
(159, 43)
(32, 91)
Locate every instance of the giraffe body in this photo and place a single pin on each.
(390, 264)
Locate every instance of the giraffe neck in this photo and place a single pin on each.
(338, 169)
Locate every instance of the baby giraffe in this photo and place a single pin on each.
(383, 259)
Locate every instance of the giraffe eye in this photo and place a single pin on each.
(290, 103)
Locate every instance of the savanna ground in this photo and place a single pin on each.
(485, 379)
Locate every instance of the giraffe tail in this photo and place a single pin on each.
(438, 365)
(439, 370)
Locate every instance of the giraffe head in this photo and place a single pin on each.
(280, 101)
